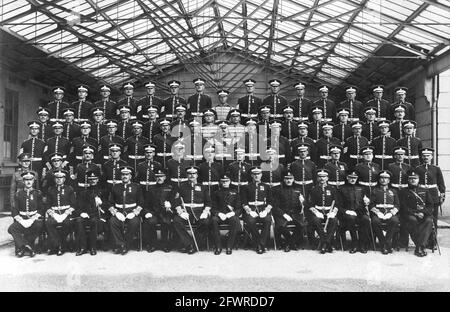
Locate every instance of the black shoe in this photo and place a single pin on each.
(20, 252)
(229, 251)
(60, 251)
(51, 251)
(124, 250)
(117, 250)
(30, 251)
(294, 247)
(151, 248)
(217, 251)
(93, 251)
(384, 251)
(423, 252)
(417, 252)
(259, 250)
(363, 250)
(330, 248)
(287, 248)
(190, 250)
(353, 250)
(80, 252)
(323, 248)
(166, 249)
(389, 249)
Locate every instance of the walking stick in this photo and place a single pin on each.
(190, 225)
(435, 239)
(370, 226)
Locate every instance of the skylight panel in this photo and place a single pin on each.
(411, 36)
(290, 8)
(191, 5)
(81, 50)
(341, 62)
(14, 8)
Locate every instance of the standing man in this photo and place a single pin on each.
(106, 140)
(57, 144)
(337, 169)
(275, 101)
(354, 144)
(289, 126)
(35, 147)
(98, 127)
(223, 108)
(168, 108)
(367, 170)
(177, 166)
(134, 145)
(71, 129)
(150, 100)
(45, 127)
(396, 127)
(129, 100)
(58, 105)
(126, 202)
(198, 102)
(82, 107)
(328, 106)
(17, 181)
(111, 168)
(152, 126)
(315, 126)
(27, 212)
(324, 143)
(353, 106)
(163, 142)
(249, 104)
(238, 171)
(125, 130)
(210, 171)
(370, 128)
(384, 146)
(412, 144)
(108, 106)
(400, 94)
(381, 106)
(342, 130)
(301, 105)
(76, 150)
(303, 138)
(304, 170)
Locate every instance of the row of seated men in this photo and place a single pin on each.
(304, 192)
(249, 104)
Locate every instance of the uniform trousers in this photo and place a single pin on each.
(357, 225)
(200, 227)
(419, 229)
(57, 232)
(251, 224)
(25, 236)
(123, 232)
(318, 224)
(391, 226)
(87, 230)
(234, 227)
(281, 227)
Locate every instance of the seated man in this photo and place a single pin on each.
(27, 214)
(226, 209)
(126, 201)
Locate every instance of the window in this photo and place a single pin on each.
(10, 125)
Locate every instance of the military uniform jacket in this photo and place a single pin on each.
(80, 172)
(337, 176)
(315, 130)
(71, 130)
(257, 197)
(276, 102)
(56, 144)
(76, 151)
(45, 131)
(410, 112)
(239, 172)
(143, 103)
(370, 131)
(150, 129)
(210, 172)
(289, 129)
(286, 199)
(384, 147)
(252, 143)
(126, 197)
(281, 145)
(98, 130)
(35, 147)
(384, 199)
(353, 145)
(329, 108)
(60, 198)
(321, 198)
(263, 127)
(27, 203)
(157, 195)
(111, 171)
(399, 178)
(209, 131)
(352, 198)
(272, 174)
(415, 200)
(249, 106)
(197, 103)
(300, 140)
(195, 197)
(304, 171)
(222, 111)
(163, 143)
(131, 102)
(382, 107)
(168, 108)
(103, 147)
(323, 145)
(86, 202)
(82, 110)
(180, 128)
(145, 174)
(431, 178)
(412, 146)
(368, 172)
(396, 129)
(17, 184)
(49, 180)
(134, 148)
(56, 110)
(223, 198)
(342, 132)
(176, 169)
(109, 108)
(302, 107)
(354, 108)
(124, 129)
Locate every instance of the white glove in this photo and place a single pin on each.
(148, 215)
(331, 215)
(301, 198)
(73, 177)
(253, 214)
(98, 201)
(287, 217)
(263, 214)
(184, 215)
(230, 214)
(167, 205)
(380, 215)
(388, 215)
(59, 218)
(131, 215)
(84, 215)
(25, 223)
(366, 200)
(204, 215)
(350, 213)
(120, 216)
(29, 222)
(318, 214)
(222, 216)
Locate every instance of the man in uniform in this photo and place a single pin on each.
(168, 108)
(180, 125)
(412, 144)
(108, 106)
(381, 105)
(82, 107)
(111, 168)
(235, 128)
(323, 203)
(337, 169)
(343, 129)
(288, 210)
(209, 128)
(106, 140)
(249, 104)
(176, 167)
(45, 127)
(384, 206)
(48, 179)
(134, 145)
(27, 212)
(152, 126)
(76, 150)
(416, 208)
(354, 144)
(126, 202)
(289, 126)
(315, 126)
(353, 106)
(98, 127)
(354, 213)
(367, 170)
(328, 106)
(275, 101)
(145, 173)
(150, 100)
(264, 121)
(324, 143)
(210, 171)
(57, 106)
(396, 127)
(400, 93)
(17, 181)
(194, 142)
(222, 108)
(57, 144)
(226, 209)
(257, 204)
(398, 169)
(163, 142)
(35, 147)
(193, 207)
(238, 171)
(301, 104)
(61, 204)
(304, 170)
(384, 146)
(253, 141)
(129, 100)
(370, 128)
(198, 102)
(301, 139)
(86, 164)
(272, 169)
(277, 142)
(125, 130)
(71, 129)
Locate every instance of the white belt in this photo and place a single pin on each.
(298, 157)
(384, 206)
(169, 115)
(197, 114)
(322, 207)
(164, 154)
(211, 183)
(336, 182)
(380, 118)
(80, 119)
(106, 157)
(304, 182)
(36, 158)
(147, 182)
(57, 119)
(79, 157)
(179, 180)
(428, 186)
(114, 181)
(280, 156)
(136, 156)
(327, 119)
(252, 155)
(256, 203)
(412, 157)
(274, 183)
(383, 156)
(194, 156)
(353, 119)
(355, 156)
(399, 185)
(145, 116)
(192, 205)
(325, 157)
(249, 115)
(301, 118)
(126, 205)
(368, 183)
(28, 213)
(83, 184)
(61, 207)
(276, 115)
(223, 155)
(239, 183)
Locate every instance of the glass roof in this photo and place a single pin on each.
(323, 40)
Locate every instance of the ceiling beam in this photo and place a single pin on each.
(273, 25)
(244, 24)
(219, 20)
(438, 5)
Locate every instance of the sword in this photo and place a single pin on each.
(190, 225)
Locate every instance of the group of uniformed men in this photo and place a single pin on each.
(189, 167)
